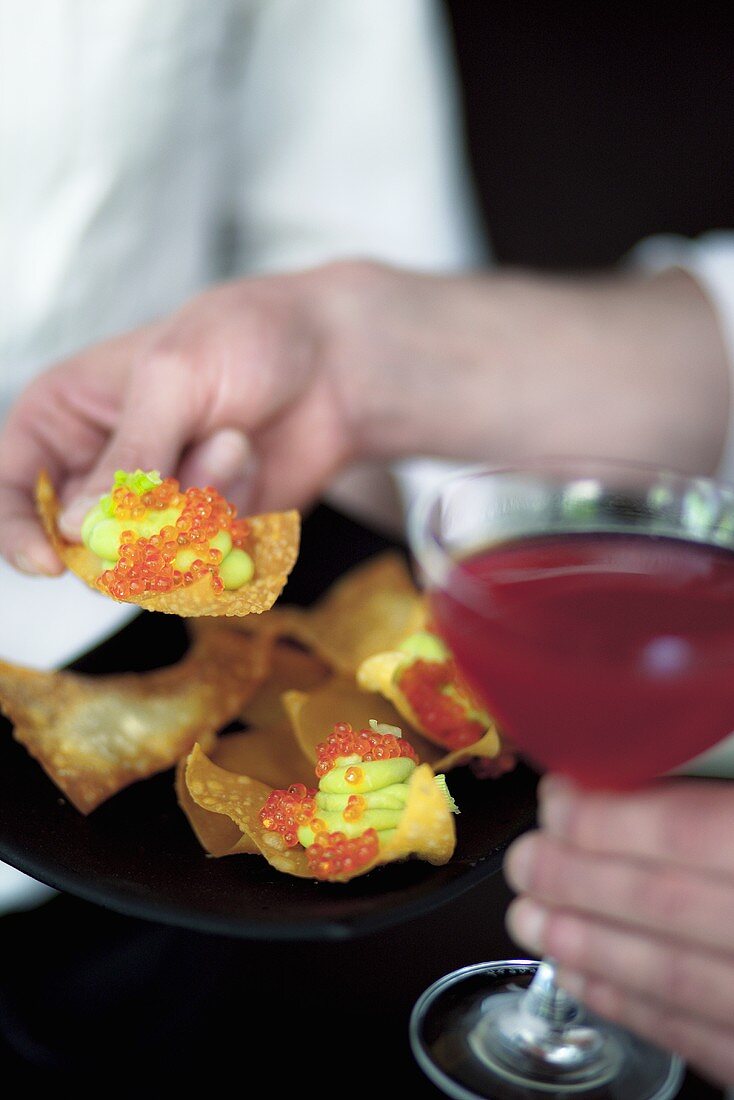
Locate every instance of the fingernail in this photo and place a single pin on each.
(526, 922)
(72, 517)
(520, 862)
(36, 562)
(555, 803)
(224, 457)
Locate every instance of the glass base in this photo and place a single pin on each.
(461, 1045)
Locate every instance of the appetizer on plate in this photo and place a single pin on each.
(187, 553)
(374, 804)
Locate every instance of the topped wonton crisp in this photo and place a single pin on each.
(184, 553)
(375, 804)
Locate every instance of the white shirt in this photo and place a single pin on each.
(710, 260)
(148, 150)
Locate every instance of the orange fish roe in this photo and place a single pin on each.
(148, 565)
(127, 504)
(334, 854)
(285, 811)
(367, 744)
(355, 807)
(439, 714)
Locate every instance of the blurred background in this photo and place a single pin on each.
(591, 126)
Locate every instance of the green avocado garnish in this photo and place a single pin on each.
(375, 774)
(424, 646)
(382, 784)
(236, 569)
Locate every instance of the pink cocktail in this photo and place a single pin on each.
(591, 605)
(606, 656)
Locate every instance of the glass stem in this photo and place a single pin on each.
(546, 1001)
(542, 1031)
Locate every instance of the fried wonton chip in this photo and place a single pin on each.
(489, 747)
(94, 735)
(292, 669)
(270, 755)
(426, 829)
(371, 608)
(314, 714)
(378, 674)
(276, 537)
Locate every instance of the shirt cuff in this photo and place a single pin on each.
(709, 259)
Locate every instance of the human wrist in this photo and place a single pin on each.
(501, 365)
(407, 352)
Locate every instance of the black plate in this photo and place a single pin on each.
(136, 853)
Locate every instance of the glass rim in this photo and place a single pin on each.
(436, 562)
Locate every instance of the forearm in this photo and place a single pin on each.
(491, 367)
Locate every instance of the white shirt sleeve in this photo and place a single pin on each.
(710, 260)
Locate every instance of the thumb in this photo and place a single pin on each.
(157, 420)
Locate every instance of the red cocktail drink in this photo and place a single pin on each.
(605, 656)
(590, 604)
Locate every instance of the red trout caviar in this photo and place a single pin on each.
(285, 811)
(355, 807)
(127, 504)
(148, 565)
(334, 854)
(439, 714)
(367, 744)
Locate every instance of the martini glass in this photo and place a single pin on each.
(590, 604)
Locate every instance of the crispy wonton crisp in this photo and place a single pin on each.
(275, 537)
(426, 830)
(269, 755)
(94, 735)
(369, 609)
(340, 700)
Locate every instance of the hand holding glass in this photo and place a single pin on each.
(591, 605)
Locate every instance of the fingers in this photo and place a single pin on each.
(22, 540)
(59, 424)
(654, 954)
(703, 1044)
(298, 453)
(662, 898)
(678, 820)
(157, 420)
(677, 998)
(655, 968)
(224, 459)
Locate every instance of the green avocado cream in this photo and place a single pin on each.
(383, 787)
(424, 646)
